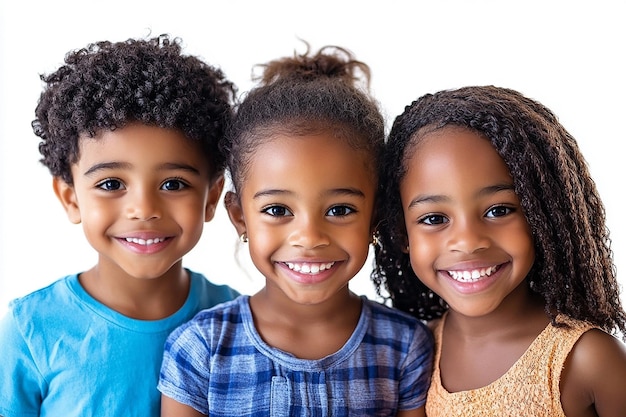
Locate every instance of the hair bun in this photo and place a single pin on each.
(329, 62)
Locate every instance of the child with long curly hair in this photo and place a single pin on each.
(494, 231)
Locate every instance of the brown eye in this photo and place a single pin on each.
(277, 211)
(110, 185)
(340, 211)
(499, 211)
(173, 185)
(433, 219)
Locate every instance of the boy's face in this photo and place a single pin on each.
(142, 194)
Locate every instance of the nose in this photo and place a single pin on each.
(143, 205)
(468, 236)
(308, 233)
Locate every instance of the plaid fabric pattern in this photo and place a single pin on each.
(219, 365)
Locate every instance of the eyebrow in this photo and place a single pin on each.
(434, 198)
(168, 166)
(333, 192)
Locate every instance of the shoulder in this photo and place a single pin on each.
(35, 323)
(56, 296)
(229, 314)
(390, 322)
(594, 374)
(228, 311)
(384, 312)
(220, 327)
(594, 350)
(210, 292)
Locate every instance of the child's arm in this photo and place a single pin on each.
(417, 374)
(593, 377)
(172, 408)
(184, 376)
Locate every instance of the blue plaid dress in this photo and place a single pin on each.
(218, 364)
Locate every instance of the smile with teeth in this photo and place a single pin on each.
(311, 268)
(473, 274)
(145, 242)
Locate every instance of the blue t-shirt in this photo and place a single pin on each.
(64, 354)
(218, 364)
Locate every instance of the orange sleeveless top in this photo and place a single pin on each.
(529, 388)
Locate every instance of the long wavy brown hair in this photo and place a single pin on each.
(573, 270)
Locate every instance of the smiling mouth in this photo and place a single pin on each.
(472, 275)
(310, 268)
(144, 242)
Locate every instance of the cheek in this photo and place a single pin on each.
(422, 254)
(361, 244)
(96, 221)
(519, 239)
(192, 225)
(98, 212)
(192, 215)
(524, 243)
(262, 249)
(262, 242)
(358, 237)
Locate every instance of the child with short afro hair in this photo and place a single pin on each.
(130, 132)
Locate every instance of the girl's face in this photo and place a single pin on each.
(306, 205)
(142, 194)
(469, 241)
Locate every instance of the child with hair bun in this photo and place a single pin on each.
(496, 232)
(303, 155)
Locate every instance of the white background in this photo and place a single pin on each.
(567, 54)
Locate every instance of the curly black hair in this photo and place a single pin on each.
(304, 94)
(106, 86)
(573, 270)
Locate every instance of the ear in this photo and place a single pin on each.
(67, 196)
(215, 191)
(235, 211)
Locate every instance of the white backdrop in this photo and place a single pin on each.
(567, 54)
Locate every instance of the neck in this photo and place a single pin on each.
(139, 298)
(275, 306)
(307, 331)
(518, 312)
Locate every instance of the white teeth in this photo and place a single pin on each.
(145, 242)
(472, 275)
(309, 267)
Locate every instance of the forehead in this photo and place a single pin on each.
(457, 155)
(138, 141)
(310, 160)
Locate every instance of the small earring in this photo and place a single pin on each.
(243, 238)
(375, 240)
